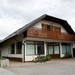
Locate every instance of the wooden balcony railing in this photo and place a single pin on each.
(39, 33)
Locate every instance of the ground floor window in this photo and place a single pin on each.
(16, 48)
(66, 49)
(40, 48)
(63, 49)
(50, 49)
(53, 49)
(56, 49)
(30, 48)
(13, 48)
(34, 48)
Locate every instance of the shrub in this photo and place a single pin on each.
(48, 57)
(67, 55)
(42, 58)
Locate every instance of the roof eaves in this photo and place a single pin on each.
(30, 24)
(21, 30)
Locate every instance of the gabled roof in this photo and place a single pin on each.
(64, 23)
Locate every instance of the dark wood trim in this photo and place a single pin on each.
(14, 58)
(55, 56)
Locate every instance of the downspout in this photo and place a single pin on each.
(24, 52)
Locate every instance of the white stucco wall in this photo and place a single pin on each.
(30, 58)
(74, 45)
(38, 25)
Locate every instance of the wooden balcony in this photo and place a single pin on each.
(39, 33)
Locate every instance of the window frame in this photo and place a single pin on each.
(42, 46)
(66, 47)
(31, 43)
(19, 47)
(12, 45)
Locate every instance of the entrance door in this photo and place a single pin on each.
(74, 52)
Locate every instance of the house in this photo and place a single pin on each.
(43, 36)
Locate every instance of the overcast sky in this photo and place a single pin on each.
(16, 13)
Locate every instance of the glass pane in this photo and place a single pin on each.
(12, 48)
(50, 49)
(56, 49)
(68, 49)
(63, 49)
(18, 48)
(40, 48)
(30, 49)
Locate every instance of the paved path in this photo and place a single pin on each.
(5, 72)
(54, 67)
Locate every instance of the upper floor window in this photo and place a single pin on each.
(51, 28)
(56, 29)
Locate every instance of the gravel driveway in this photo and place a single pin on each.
(54, 67)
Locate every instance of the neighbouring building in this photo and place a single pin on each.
(45, 35)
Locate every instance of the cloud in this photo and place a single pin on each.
(9, 25)
(16, 13)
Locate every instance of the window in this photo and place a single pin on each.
(53, 28)
(53, 49)
(49, 28)
(18, 47)
(56, 49)
(40, 48)
(12, 48)
(63, 49)
(50, 49)
(66, 49)
(43, 27)
(30, 48)
(56, 29)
